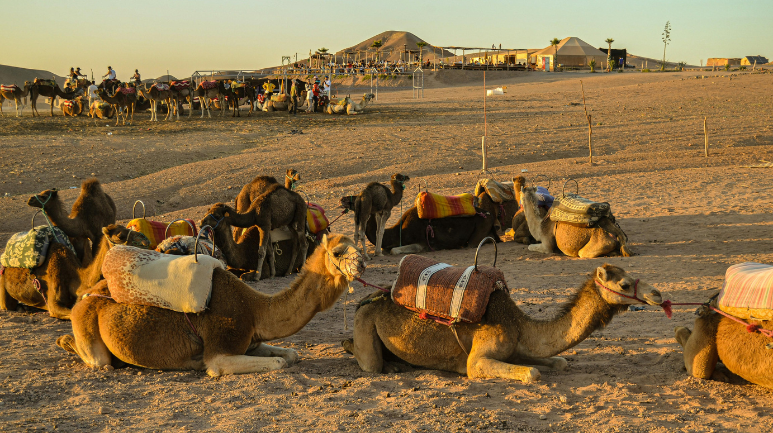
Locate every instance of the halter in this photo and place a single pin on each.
(48, 221)
(215, 218)
(666, 306)
(292, 182)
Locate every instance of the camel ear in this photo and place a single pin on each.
(105, 231)
(601, 274)
(324, 241)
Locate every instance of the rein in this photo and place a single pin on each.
(339, 216)
(751, 328)
(666, 306)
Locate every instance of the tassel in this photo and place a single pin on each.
(752, 328)
(666, 306)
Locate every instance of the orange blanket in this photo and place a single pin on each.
(156, 230)
(433, 206)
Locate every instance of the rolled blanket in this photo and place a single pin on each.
(573, 203)
(499, 192)
(748, 291)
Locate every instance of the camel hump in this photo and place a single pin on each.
(91, 186)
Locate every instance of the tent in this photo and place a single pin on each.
(572, 52)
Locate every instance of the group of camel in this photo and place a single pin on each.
(123, 99)
(230, 336)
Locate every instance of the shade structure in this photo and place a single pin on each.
(572, 51)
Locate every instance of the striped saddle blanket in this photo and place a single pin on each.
(181, 84)
(316, 219)
(68, 104)
(499, 192)
(144, 277)
(573, 209)
(748, 291)
(9, 87)
(433, 206)
(127, 90)
(444, 291)
(206, 85)
(162, 87)
(156, 231)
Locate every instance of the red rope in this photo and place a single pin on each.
(750, 327)
(339, 216)
(367, 284)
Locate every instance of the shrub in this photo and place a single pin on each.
(727, 66)
(592, 65)
(366, 77)
(742, 68)
(645, 70)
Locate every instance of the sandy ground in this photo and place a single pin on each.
(688, 217)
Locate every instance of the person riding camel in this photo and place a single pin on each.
(136, 77)
(110, 74)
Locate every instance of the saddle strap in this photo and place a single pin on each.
(453, 329)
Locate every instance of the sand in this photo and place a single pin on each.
(687, 217)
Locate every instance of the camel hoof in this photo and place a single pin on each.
(67, 342)
(250, 276)
(559, 363)
(535, 247)
(348, 345)
(532, 375)
(378, 254)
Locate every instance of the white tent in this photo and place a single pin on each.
(572, 51)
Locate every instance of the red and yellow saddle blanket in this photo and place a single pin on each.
(181, 84)
(316, 219)
(9, 87)
(127, 90)
(206, 85)
(156, 231)
(448, 292)
(68, 104)
(433, 206)
(162, 87)
(748, 291)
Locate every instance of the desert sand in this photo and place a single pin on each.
(687, 217)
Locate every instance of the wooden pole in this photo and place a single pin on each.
(485, 125)
(706, 138)
(590, 126)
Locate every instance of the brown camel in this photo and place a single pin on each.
(277, 207)
(718, 338)
(92, 210)
(210, 90)
(241, 90)
(48, 89)
(62, 278)
(228, 337)
(260, 185)
(520, 228)
(72, 108)
(101, 109)
(570, 239)
(503, 212)
(376, 201)
(123, 103)
(503, 342)
(182, 91)
(15, 94)
(155, 94)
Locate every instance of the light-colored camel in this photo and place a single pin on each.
(182, 93)
(574, 241)
(217, 92)
(62, 277)
(72, 108)
(376, 201)
(349, 106)
(17, 95)
(49, 89)
(520, 228)
(506, 339)
(718, 338)
(226, 338)
(156, 95)
(123, 104)
(275, 208)
(92, 210)
(101, 109)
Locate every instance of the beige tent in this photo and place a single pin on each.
(572, 52)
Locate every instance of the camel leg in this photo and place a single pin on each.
(700, 350)
(168, 109)
(599, 245)
(488, 367)
(366, 347)
(289, 355)
(297, 239)
(408, 249)
(381, 219)
(7, 302)
(86, 341)
(541, 248)
(264, 242)
(240, 364)
(360, 235)
(555, 363)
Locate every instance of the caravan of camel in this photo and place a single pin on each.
(176, 295)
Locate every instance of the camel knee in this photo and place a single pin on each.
(348, 345)
(682, 334)
(67, 342)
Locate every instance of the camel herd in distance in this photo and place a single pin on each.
(121, 99)
(91, 279)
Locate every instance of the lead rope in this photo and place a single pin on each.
(48, 221)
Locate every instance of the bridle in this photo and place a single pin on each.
(666, 305)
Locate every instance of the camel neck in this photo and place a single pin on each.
(582, 315)
(533, 220)
(224, 240)
(397, 191)
(91, 267)
(58, 215)
(237, 219)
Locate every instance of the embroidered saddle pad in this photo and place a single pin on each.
(433, 206)
(29, 249)
(8, 87)
(144, 277)
(748, 291)
(442, 290)
(573, 209)
(206, 85)
(498, 192)
(162, 87)
(68, 104)
(127, 90)
(340, 102)
(316, 219)
(181, 84)
(156, 231)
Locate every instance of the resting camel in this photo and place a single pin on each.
(228, 337)
(376, 201)
(101, 109)
(348, 105)
(506, 339)
(718, 338)
(572, 240)
(520, 228)
(63, 278)
(210, 90)
(48, 89)
(277, 207)
(72, 108)
(155, 94)
(123, 103)
(15, 94)
(182, 91)
(92, 210)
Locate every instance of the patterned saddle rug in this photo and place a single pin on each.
(184, 245)
(127, 90)
(280, 98)
(50, 83)
(238, 84)
(206, 85)
(29, 249)
(161, 87)
(441, 290)
(573, 209)
(181, 84)
(9, 87)
(316, 219)
(157, 231)
(748, 291)
(433, 206)
(499, 192)
(68, 104)
(144, 277)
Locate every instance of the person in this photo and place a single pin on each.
(268, 88)
(327, 87)
(92, 93)
(294, 97)
(72, 80)
(110, 74)
(310, 108)
(136, 77)
(315, 91)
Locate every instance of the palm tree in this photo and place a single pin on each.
(376, 45)
(554, 43)
(322, 52)
(421, 46)
(666, 39)
(609, 53)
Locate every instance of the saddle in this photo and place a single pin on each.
(161, 87)
(184, 245)
(157, 231)
(316, 220)
(573, 209)
(238, 84)
(499, 192)
(144, 277)
(29, 249)
(206, 85)
(434, 206)
(50, 83)
(448, 292)
(68, 104)
(279, 98)
(127, 90)
(9, 87)
(181, 84)
(747, 292)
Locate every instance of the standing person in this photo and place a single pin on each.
(92, 93)
(328, 87)
(310, 107)
(294, 97)
(136, 77)
(268, 88)
(315, 91)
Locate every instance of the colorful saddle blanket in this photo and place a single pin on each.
(181, 84)
(184, 245)
(748, 291)
(573, 209)
(206, 85)
(68, 104)
(156, 231)
(50, 83)
(127, 90)
(9, 87)
(441, 290)
(29, 249)
(162, 87)
(237, 84)
(499, 192)
(433, 206)
(316, 219)
(144, 277)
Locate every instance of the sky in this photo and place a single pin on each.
(185, 36)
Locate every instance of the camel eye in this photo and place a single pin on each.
(625, 286)
(337, 254)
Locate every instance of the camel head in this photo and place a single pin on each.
(529, 195)
(120, 235)
(216, 215)
(342, 256)
(368, 96)
(518, 183)
(347, 201)
(293, 175)
(619, 288)
(46, 196)
(400, 178)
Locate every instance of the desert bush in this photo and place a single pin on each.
(742, 68)
(645, 70)
(727, 66)
(592, 65)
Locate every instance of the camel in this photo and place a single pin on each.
(72, 108)
(92, 210)
(506, 340)
(718, 338)
(241, 91)
(570, 239)
(376, 201)
(119, 101)
(275, 208)
(348, 105)
(520, 228)
(182, 91)
(101, 109)
(155, 95)
(260, 185)
(49, 89)
(229, 336)
(210, 90)
(62, 278)
(420, 235)
(15, 94)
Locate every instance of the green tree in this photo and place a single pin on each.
(377, 45)
(666, 40)
(609, 54)
(421, 46)
(554, 43)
